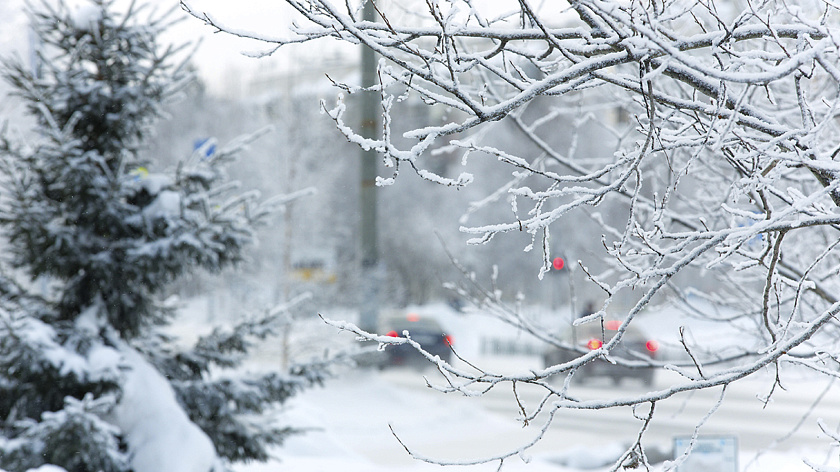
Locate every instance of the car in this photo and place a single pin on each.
(634, 345)
(425, 330)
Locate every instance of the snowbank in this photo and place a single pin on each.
(46, 468)
(158, 432)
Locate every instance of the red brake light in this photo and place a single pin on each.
(594, 344)
(393, 334)
(652, 345)
(612, 325)
(412, 317)
(448, 339)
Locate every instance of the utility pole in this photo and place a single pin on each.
(369, 309)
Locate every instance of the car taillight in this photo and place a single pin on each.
(448, 339)
(594, 344)
(612, 325)
(393, 334)
(652, 346)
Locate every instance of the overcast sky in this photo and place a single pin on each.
(222, 66)
(219, 58)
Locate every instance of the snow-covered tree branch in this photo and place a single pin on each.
(715, 129)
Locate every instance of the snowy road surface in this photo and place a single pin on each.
(354, 415)
(742, 413)
(351, 418)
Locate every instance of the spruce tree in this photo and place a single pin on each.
(94, 235)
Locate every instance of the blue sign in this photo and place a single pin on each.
(205, 145)
(710, 453)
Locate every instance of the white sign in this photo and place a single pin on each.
(710, 453)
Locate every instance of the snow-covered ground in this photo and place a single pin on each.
(353, 415)
(350, 420)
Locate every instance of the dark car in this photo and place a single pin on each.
(425, 331)
(634, 346)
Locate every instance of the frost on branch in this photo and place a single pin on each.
(698, 141)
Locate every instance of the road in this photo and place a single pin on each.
(756, 425)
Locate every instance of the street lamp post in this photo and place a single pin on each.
(368, 202)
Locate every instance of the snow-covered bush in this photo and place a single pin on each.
(93, 236)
